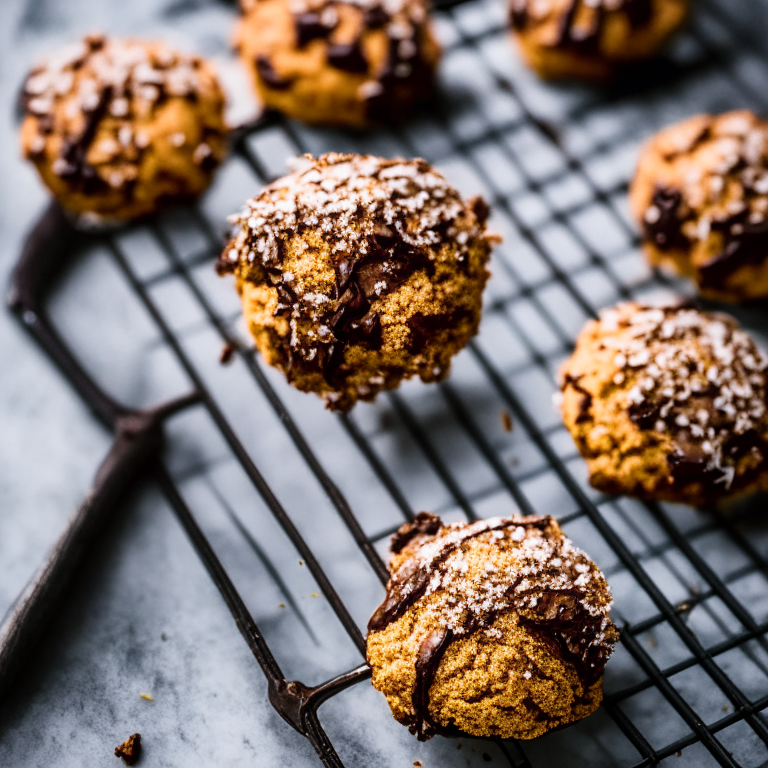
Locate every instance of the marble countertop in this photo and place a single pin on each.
(143, 617)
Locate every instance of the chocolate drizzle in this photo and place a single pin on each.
(375, 17)
(270, 77)
(383, 94)
(311, 26)
(431, 652)
(518, 14)
(582, 23)
(347, 56)
(73, 151)
(640, 12)
(746, 244)
(585, 405)
(558, 616)
(662, 223)
(423, 524)
(405, 64)
(688, 463)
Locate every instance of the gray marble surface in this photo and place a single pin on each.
(143, 616)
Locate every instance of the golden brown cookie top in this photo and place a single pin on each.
(323, 18)
(693, 379)
(704, 183)
(461, 577)
(73, 94)
(362, 205)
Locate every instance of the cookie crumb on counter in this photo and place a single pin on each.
(227, 354)
(130, 749)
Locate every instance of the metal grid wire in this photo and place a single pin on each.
(312, 497)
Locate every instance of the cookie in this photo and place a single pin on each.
(339, 62)
(497, 628)
(700, 196)
(668, 403)
(119, 129)
(356, 272)
(592, 39)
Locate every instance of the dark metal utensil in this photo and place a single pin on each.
(137, 439)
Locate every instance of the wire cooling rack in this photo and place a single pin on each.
(291, 507)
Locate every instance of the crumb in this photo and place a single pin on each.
(459, 746)
(678, 754)
(506, 420)
(301, 562)
(725, 707)
(147, 696)
(651, 641)
(314, 594)
(417, 764)
(227, 353)
(130, 749)
(282, 605)
(163, 637)
(486, 757)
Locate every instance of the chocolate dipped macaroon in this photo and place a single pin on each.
(592, 39)
(357, 272)
(339, 62)
(668, 403)
(119, 129)
(700, 197)
(497, 628)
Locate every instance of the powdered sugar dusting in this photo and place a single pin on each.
(543, 561)
(352, 199)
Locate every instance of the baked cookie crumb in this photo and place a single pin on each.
(130, 749)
